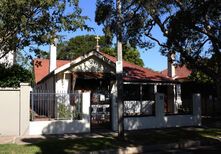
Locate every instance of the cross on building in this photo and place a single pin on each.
(97, 45)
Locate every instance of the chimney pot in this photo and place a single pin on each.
(171, 67)
(53, 55)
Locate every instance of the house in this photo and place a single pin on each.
(210, 105)
(94, 72)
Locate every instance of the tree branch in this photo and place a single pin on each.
(179, 3)
(157, 41)
(200, 47)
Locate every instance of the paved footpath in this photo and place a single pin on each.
(7, 139)
(36, 138)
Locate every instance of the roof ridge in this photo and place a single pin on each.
(133, 64)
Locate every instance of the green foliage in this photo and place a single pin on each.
(132, 55)
(64, 111)
(133, 20)
(41, 54)
(78, 45)
(14, 75)
(81, 44)
(24, 22)
(189, 28)
(200, 77)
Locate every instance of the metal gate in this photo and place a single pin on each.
(46, 105)
(100, 111)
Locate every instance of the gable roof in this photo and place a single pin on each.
(41, 68)
(182, 72)
(132, 72)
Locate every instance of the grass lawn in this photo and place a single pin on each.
(57, 146)
(132, 138)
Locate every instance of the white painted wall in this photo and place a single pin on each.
(58, 127)
(162, 121)
(63, 82)
(136, 123)
(14, 110)
(9, 111)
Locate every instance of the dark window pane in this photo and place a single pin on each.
(148, 92)
(131, 92)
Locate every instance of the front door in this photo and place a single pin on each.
(100, 111)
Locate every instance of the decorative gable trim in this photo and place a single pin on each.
(84, 57)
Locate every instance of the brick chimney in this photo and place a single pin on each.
(171, 67)
(53, 55)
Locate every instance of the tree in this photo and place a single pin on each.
(12, 76)
(200, 77)
(80, 44)
(24, 23)
(190, 28)
(132, 55)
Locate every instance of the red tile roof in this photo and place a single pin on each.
(181, 72)
(132, 72)
(41, 68)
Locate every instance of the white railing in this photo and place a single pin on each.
(47, 105)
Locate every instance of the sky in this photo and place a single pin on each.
(152, 58)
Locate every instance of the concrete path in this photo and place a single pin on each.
(30, 139)
(7, 139)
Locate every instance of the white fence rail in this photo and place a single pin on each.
(46, 105)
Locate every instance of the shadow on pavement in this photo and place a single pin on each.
(169, 140)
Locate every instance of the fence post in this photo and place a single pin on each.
(24, 108)
(159, 110)
(32, 106)
(86, 108)
(197, 108)
(159, 105)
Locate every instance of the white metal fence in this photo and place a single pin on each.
(48, 105)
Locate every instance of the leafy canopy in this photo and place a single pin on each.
(12, 76)
(189, 28)
(80, 44)
(36, 22)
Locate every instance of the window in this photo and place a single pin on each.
(139, 100)
(148, 92)
(132, 92)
